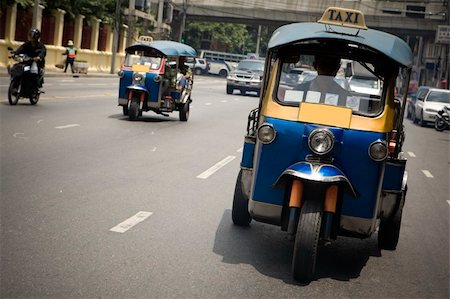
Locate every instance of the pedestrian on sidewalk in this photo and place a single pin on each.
(71, 53)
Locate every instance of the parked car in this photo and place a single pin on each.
(219, 67)
(201, 66)
(429, 101)
(246, 77)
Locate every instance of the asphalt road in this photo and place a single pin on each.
(73, 168)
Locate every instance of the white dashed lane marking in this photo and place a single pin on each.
(239, 150)
(67, 126)
(411, 154)
(130, 222)
(207, 173)
(427, 173)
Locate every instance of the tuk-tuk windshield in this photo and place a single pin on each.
(142, 58)
(330, 79)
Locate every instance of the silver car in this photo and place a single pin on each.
(246, 77)
(428, 102)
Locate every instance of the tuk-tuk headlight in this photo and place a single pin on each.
(157, 79)
(378, 150)
(120, 74)
(138, 78)
(321, 141)
(266, 133)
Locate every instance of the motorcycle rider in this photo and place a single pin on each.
(36, 50)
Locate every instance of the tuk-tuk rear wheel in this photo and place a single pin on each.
(184, 112)
(307, 240)
(239, 212)
(125, 110)
(389, 230)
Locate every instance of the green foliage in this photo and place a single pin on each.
(101, 9)
(234, 38)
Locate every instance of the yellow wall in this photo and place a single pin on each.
(98, 60)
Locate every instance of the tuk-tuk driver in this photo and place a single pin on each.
(323, 88)
(184, 73)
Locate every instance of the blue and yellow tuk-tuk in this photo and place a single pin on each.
(323, 157)
(152, 78)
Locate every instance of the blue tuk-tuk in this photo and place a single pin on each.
(152, 78)
(323, 152)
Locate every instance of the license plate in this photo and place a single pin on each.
(26, 68)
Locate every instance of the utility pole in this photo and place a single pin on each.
(115, 44)
(448, 48)
(183, 22)
(131, 8)
(258, 40)
(159, 22)
(35, 13)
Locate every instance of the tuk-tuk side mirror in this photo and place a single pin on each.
(348, 70)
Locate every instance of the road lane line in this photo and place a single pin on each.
(448, 201)
(411, 154)
(208, 104)
(427, 174)
(154, 149)
(39, 121)
(217, 166)
(239, 150)
(67, 126)
(19, 135)
(130, 222)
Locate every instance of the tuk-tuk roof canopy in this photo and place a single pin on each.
(388, 44)
(167, 48)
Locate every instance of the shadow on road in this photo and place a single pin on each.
(147, 118)
(267, 248)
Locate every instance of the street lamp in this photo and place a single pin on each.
(115, 45)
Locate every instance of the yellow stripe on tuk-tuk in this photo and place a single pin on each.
(140, 68)
(326, 114)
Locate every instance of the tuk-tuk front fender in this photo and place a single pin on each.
(137, 88)
(315, 172)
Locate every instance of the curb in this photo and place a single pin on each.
(70, 75)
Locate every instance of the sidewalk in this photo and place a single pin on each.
(54, 72)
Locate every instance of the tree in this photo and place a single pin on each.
(234, 38)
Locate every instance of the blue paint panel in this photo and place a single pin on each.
(125, 81)
(247, 155)
(152, 87)
(393, 176)
(350, 155)
(362, 172)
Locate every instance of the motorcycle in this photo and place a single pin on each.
(442, 119)
(25, 76)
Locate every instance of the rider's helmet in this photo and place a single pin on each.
(34, 34)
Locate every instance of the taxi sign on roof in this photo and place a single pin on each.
(343, 17)
(144, 38)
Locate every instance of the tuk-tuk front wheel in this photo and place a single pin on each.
(184, 112)
(133, 113)
(239, 212)
(307, 240)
